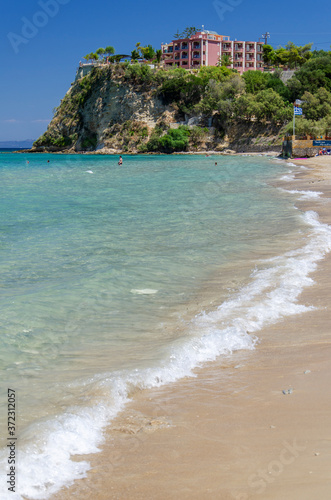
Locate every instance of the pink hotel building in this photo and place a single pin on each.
(205, 49)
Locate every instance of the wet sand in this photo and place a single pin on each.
(232, 433)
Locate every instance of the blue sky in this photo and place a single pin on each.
(43, 41)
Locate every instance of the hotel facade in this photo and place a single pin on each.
(205, 48)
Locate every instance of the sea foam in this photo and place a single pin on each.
(305, 195)
(46, 447)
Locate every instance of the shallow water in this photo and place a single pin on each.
(104, 279)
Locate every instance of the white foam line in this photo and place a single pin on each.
(144, 291)
(287, 178)
(45, 463)
(305, 195)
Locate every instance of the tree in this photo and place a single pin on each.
(246, 107)
(94, 57)
(281, 57)
(87, 57)
(266, 105)
(317, 106)
(147, 52)
(101, 51)
(109, 50)
(135, 55)
(212, 97)
(117, 58)
(225, 60)
(255, 81)
(297, 55)
(219, 96)
(217, 73)
(187, 33)
(268, 54)
(159, 56)
(272, 107)
(258, 80)
(314, 74)
(233, 87)
(304, 127)
(326, 126)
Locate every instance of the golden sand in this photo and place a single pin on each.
(232, 433)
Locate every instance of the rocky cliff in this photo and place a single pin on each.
(109, 112)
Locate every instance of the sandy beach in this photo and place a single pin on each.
(255, 426)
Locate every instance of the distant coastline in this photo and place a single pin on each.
(25, 144)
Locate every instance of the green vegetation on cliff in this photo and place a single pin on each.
(216, 96)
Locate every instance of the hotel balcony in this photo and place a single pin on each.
(184, 56)
(196, 55)
(176, 47)
(196, 46)
(184, 46)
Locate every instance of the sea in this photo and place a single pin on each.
(117, 279)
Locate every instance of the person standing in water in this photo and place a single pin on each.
(120, 161)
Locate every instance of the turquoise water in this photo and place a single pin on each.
(96, 263)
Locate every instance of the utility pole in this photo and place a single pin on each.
(266, 35)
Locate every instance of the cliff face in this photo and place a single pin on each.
(107, 112)
(118, 114)
(100, 111)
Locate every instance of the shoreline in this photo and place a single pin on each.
(232, 433)
(225, 152)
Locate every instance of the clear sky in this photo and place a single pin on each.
(42, 41)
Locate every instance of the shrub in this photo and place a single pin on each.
(266, 105)
(139, 73)
(184, 89)
(198, 135)
(144, 132)
(174, 140)
(318, 105)
(314, 74)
